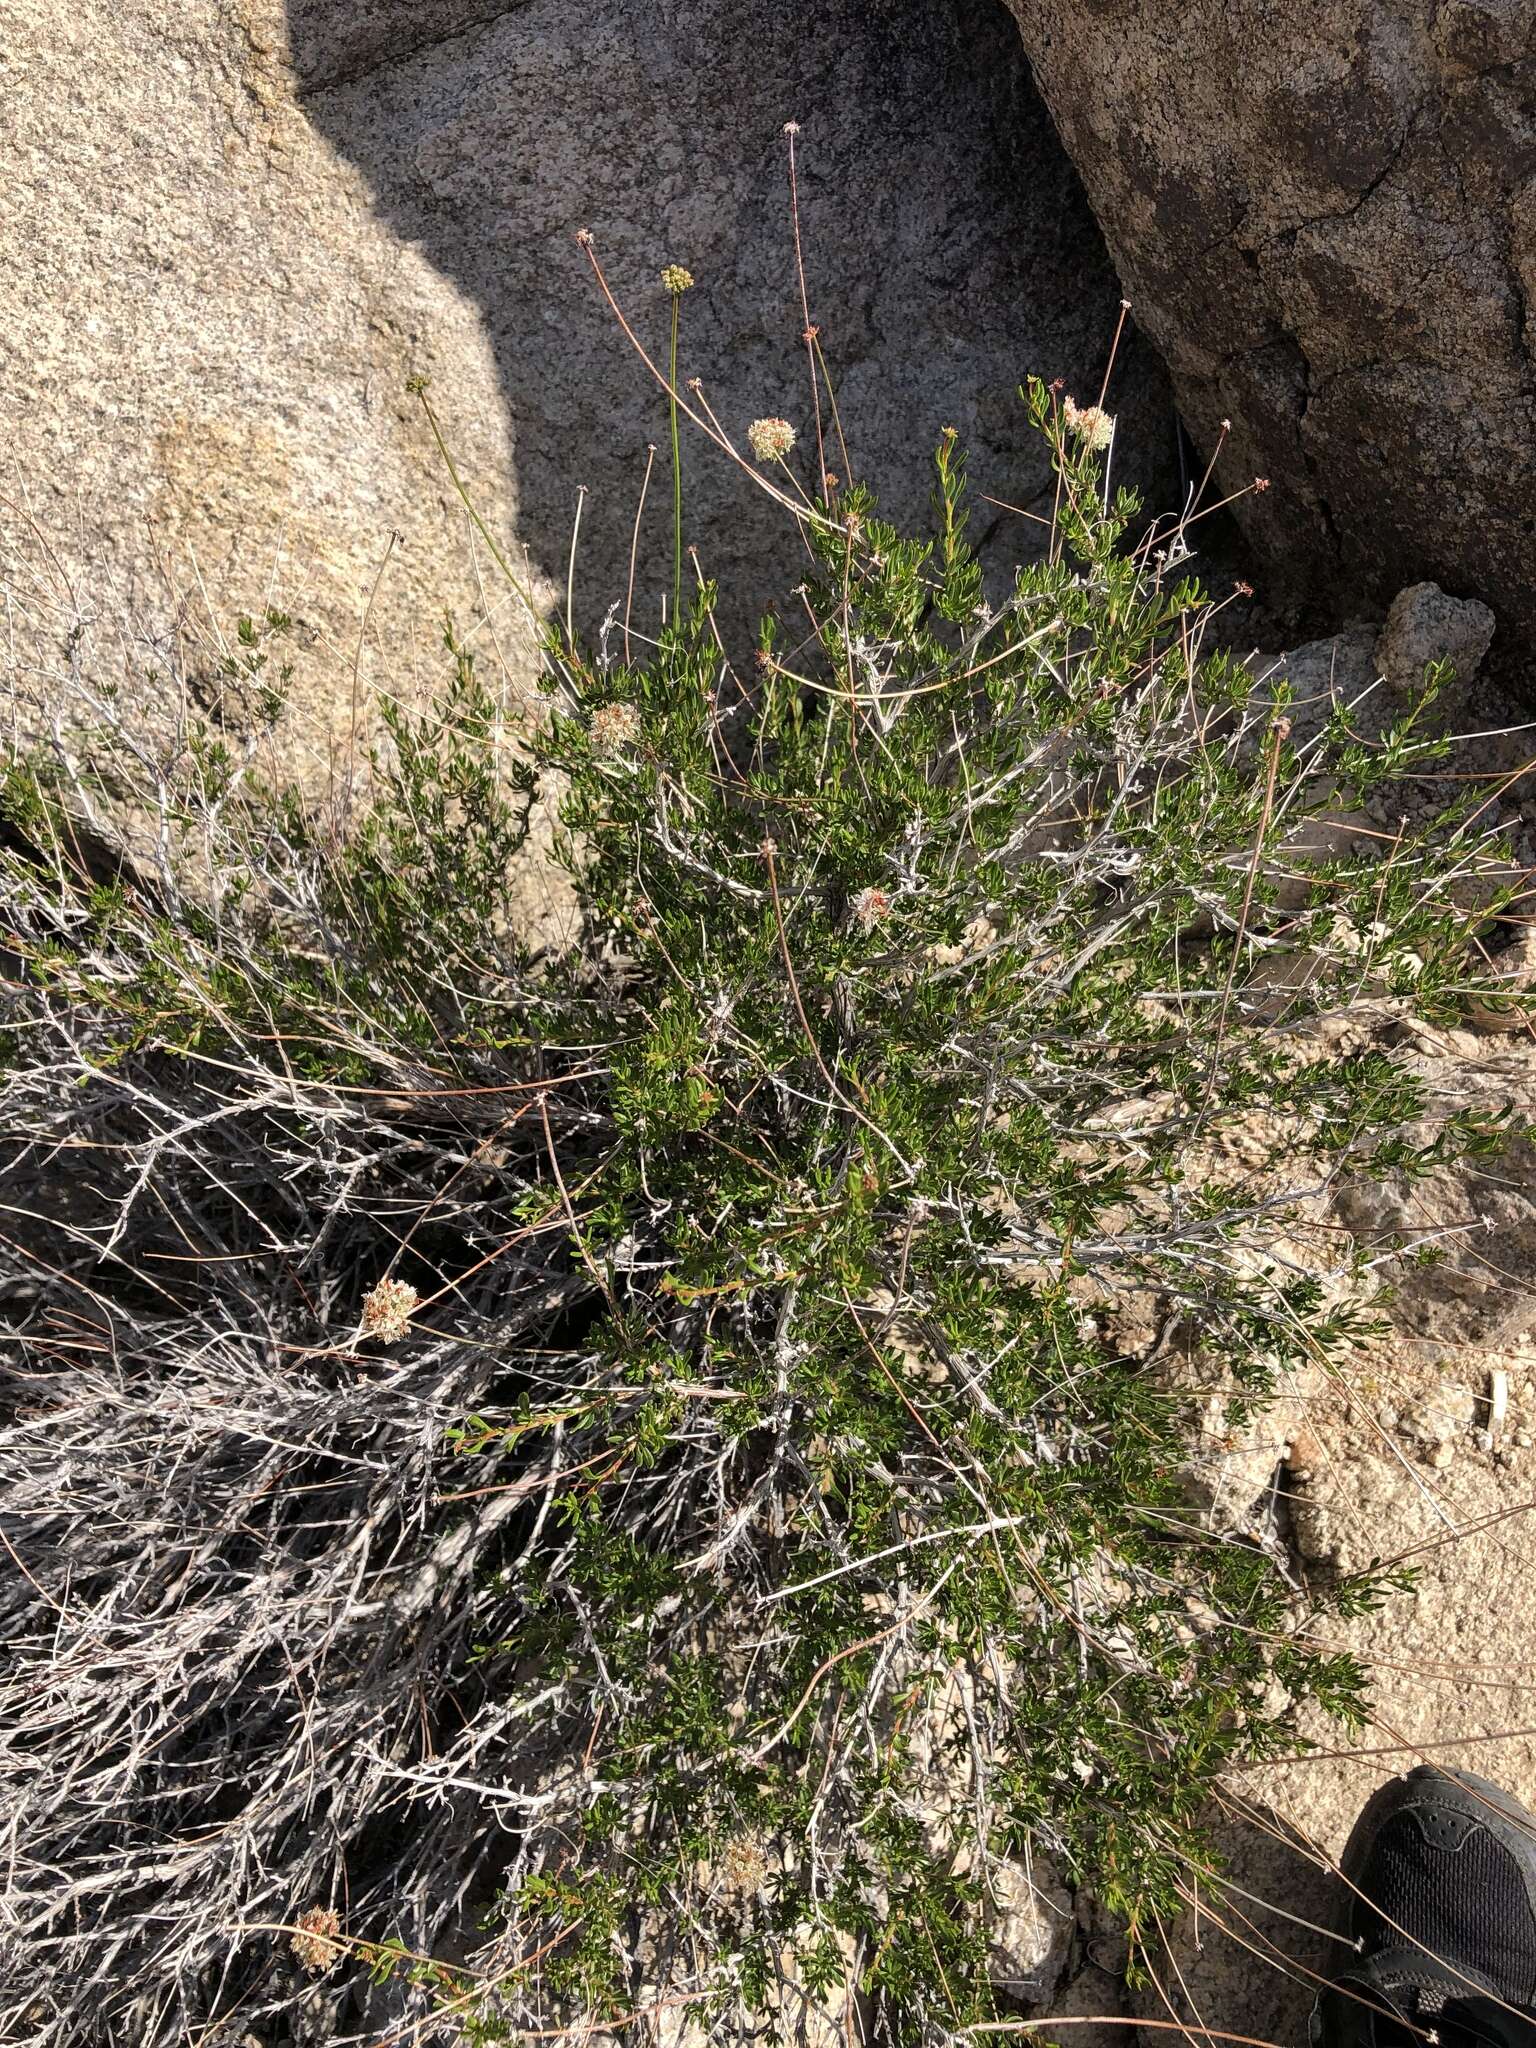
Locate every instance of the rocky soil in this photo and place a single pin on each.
(1424, 1451)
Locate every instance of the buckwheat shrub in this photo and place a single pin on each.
(750, 1535)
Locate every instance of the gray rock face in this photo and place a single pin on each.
(1326, 217)
(333, 44)
(203, 388)
(232, 236)
(947, 248)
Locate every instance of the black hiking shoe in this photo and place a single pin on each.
(1442, 1867)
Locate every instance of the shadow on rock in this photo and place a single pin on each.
(1251, 1960)
(948, 247)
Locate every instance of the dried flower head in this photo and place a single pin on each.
(314, 1940)
(771, 439)
(1091, 423)
(614, 727)
(387, 1311)
(744, 1865)
(676, 280)
(870, 906)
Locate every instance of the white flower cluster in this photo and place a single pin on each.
(614, 727)
(771, 439)
(387, 1310)
(1090, 423)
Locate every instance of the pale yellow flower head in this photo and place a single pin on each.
(771, 439)
(614, 727)
(1090, 423)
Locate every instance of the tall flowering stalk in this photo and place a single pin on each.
(675, 281)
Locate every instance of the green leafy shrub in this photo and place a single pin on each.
(614, 1471)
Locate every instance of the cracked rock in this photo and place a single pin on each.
(1325, 218)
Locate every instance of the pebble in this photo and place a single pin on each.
(1443, 1414)
(1498, 1398)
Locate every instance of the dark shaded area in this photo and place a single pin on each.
(948, 247)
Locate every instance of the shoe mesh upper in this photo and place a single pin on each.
(1468, 1906)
